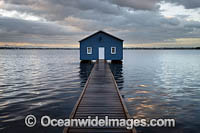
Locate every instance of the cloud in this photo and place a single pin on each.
(17, 30)
(189, 4)
(16, 14)
(67, 21)
(59, 9)
(137, 4)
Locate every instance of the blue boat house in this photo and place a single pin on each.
(101, 45)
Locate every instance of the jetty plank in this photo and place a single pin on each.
(100, 97)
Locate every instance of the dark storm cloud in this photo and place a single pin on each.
(17, 30)
(195, 25)
(136, 4)
(151, 4)
(136, 21)
(151, 27)
(31, 27)
(64, 8)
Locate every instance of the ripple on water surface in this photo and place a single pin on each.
(38, 82)
(154, 84)
(162, 84)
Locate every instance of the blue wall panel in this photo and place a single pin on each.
(101, 40)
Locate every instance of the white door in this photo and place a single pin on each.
(101, 53)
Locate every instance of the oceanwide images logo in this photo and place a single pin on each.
(46, 121)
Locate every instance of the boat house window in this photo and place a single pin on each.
(113, 50)
(89, 50)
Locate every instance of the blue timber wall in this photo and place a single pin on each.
(101, 40)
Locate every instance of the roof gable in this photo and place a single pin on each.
(103, 33)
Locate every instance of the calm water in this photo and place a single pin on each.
(154, 83)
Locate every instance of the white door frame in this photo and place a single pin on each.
(101, 53)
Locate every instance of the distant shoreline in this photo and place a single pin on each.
(196, 48)
(39, 48)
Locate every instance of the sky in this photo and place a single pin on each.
(62, 23)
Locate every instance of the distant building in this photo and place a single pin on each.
(101, 45)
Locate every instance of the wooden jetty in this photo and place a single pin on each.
(100, 97)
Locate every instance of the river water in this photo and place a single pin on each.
(154, 84)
